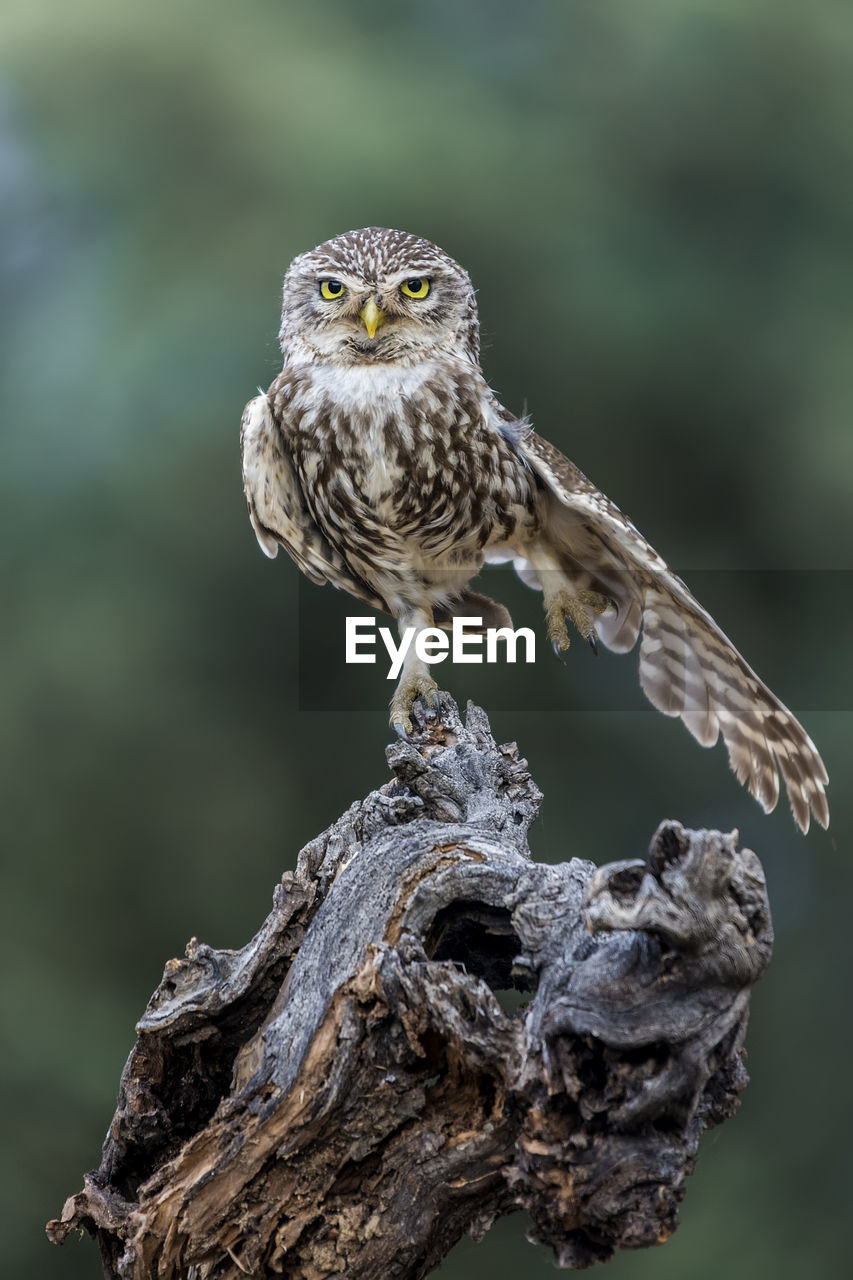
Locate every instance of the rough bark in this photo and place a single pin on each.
(353, 1090)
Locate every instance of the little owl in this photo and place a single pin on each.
(382, 461)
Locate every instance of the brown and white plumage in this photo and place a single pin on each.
(688, 666)
(383, 463)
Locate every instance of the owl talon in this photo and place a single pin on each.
(412, 686)
(580, 608)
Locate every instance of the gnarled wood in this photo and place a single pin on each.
(354, 1090)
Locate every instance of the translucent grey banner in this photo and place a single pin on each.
(793, 627)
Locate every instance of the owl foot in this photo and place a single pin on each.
(581, 608)
(413, 684)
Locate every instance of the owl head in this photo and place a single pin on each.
(376, 296)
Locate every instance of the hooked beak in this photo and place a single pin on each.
(372, 318)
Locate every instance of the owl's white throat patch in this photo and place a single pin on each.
(364, 389)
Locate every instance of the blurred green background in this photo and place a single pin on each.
(655, 204)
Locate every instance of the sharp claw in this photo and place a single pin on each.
(409, 691)
(593, 643)
(558, 652)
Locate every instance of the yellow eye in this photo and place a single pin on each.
(417, 287)
(331, 289)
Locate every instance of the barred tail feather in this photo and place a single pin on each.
(689, 668)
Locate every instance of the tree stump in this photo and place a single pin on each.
(431, 1030)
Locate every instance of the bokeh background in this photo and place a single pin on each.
(655, 203)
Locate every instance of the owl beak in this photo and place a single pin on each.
(372, 318)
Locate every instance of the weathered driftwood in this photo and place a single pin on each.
(352, 1092)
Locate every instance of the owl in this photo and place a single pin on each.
(383, 463)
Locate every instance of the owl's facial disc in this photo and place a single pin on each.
(389, 318)
(377, 297)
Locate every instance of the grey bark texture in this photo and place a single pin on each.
(431, 1030)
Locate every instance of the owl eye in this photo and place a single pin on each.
(331, 289)
(417, 287)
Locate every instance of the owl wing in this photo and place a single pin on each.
(688, 667)
(277, 507)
